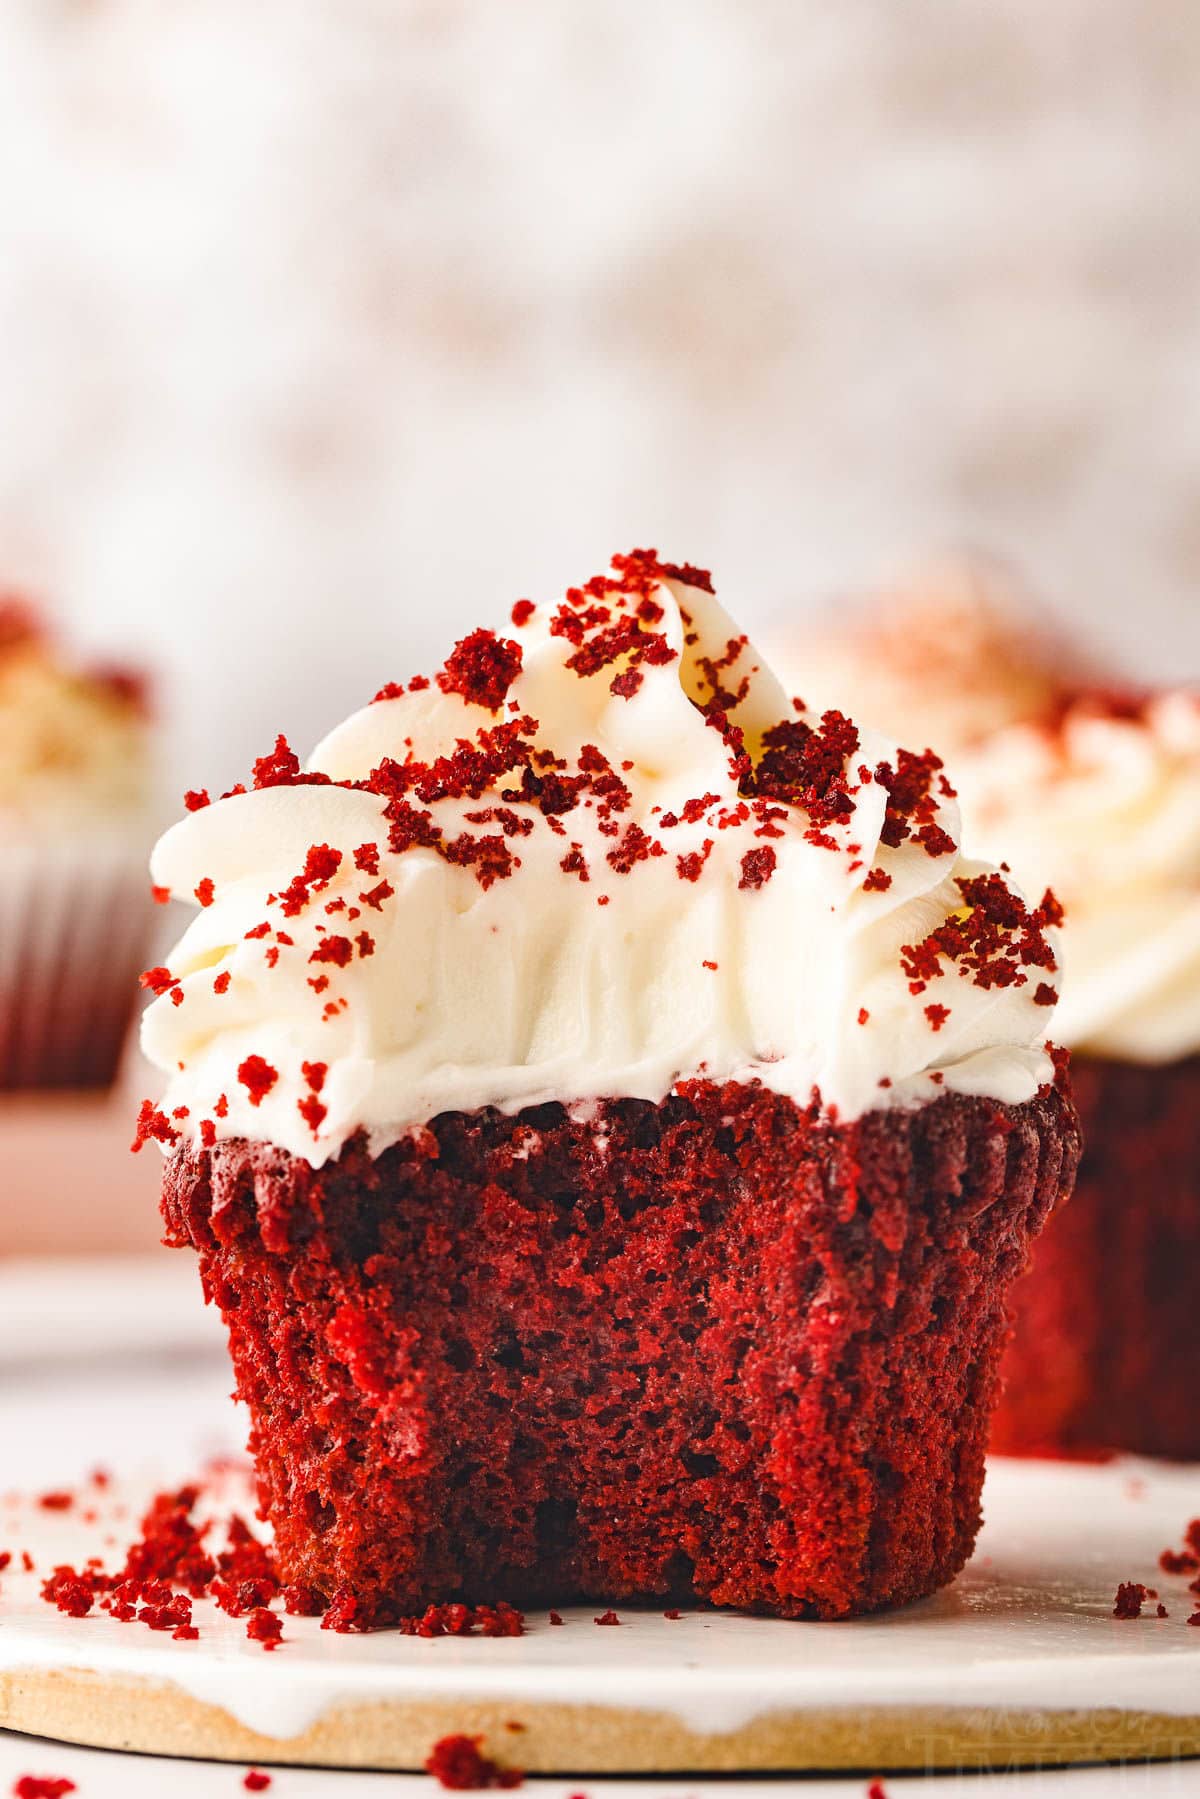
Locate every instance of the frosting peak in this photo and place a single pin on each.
(600, 852)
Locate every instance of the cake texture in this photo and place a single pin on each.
(714, 1349)
(609, 1110)
(1106, 1350)
(74, 830)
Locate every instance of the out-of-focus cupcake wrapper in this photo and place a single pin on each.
(74, 925)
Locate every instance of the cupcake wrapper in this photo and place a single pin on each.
(718, 1349)
(74, 924)
(1106, 1332)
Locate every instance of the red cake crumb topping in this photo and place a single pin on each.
(482, 667)
(805, 766)
(205, 891)
(151, 1123)
(607, 1618)
(256, 1781)
(911, 804)
(195, 799)
(320, 865)
(877, 1790)
(160, 895)
(996, 939)
(280, 768)
(522, 612)
(338, 950)
(757, 868)
(157, 980)
(458, 1763)
(56, 1502)
(43, 1786)
(673, 1613)
(557, 1618)
(257, 1077)
(937, 1016)
(1131, 1595)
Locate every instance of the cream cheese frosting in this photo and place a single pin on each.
(1103, 804)
(600, 853)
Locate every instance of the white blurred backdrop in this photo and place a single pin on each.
(326, 329)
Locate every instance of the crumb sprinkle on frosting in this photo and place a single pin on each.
(631, 733)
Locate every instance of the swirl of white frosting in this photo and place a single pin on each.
(470, 991)
(1104, 806)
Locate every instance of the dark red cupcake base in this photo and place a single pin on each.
(1106, 1350)
(717, 1349)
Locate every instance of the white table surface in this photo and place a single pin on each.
(167, 1405)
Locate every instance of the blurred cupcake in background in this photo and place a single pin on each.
(75, 815)
(1092, 790)
(945, 655)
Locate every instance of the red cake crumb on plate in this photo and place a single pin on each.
(457, 1762)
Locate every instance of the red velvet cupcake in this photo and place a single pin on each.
(74, 830)
(609, 1113)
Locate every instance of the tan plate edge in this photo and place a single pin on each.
(150, 1717)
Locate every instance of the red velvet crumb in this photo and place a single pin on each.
(457, 1763)
(482, 667)
(42, 1786)
(1131, 1595)
(757, 868)
(151, 1123)
(264, 1627)
(607, 1618)
(258, 1078)
(522, 612)
(256, 1781)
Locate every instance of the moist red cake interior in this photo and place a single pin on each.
(721, 1348)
